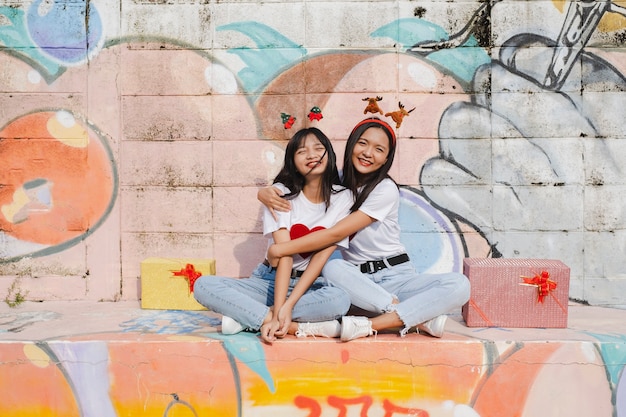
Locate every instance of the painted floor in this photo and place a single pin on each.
(115, 359)
(64, 320)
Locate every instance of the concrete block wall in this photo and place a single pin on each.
(172, 111)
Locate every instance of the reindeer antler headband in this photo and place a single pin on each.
(382, 123)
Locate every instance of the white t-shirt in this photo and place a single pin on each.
(305, 216)
(380, 239)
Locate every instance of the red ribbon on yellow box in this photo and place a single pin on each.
(190, 274)
(543, 283)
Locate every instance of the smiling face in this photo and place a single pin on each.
(370, 151)
(310, 158)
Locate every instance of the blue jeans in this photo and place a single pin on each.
(248, 300)
(422, 296)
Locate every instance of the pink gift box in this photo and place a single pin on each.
(516, 292)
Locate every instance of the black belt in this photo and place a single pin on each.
(294, 272)
(370, 267)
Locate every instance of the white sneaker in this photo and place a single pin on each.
(330, 328)
(434, 327)
(353, 327)
(230, 326)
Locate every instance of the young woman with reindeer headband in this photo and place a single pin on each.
(375, 269)
(272, 297)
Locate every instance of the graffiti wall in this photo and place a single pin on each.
(174, 363)
(145, 128)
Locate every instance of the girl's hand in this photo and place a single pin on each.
(269, 329)
(272, 198)
(284, 318)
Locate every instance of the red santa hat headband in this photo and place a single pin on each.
(382, 123)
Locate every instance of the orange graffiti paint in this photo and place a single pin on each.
(57, 178)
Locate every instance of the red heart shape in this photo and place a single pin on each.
(299, 230)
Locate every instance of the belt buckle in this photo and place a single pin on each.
(375, 266)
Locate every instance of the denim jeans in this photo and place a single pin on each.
(248, 300)
(422, 296)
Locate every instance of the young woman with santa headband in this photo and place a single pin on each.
(375, 270)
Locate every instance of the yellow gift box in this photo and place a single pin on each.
(167, 283)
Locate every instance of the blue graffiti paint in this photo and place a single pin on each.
(419, 236)
(612, 348)
(85, 366)
(274, 52)
(411, 31)
(170, 322)
(247, 348)
(620, 396)
(40, 188)
(68, 31)
(461, 62)
(428, 235)
(15, 36)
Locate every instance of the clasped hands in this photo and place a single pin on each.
(278, 326)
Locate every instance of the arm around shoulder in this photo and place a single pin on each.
(322, 238)
(272, 198)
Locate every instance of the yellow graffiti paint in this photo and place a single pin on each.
(610, 21)
(36, 356)
(63, 127)
(10, 211)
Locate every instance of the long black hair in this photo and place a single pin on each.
(294, 180)
(352, 179)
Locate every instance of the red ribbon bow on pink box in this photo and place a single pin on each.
(543, 283)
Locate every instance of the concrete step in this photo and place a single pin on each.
(115, 359)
